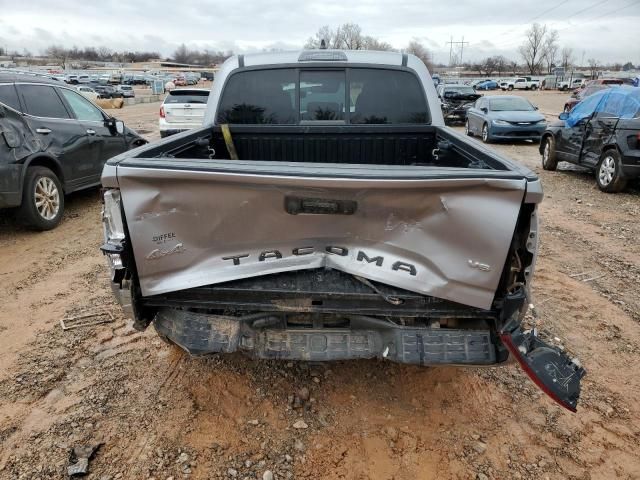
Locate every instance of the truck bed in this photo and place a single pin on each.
(409, 146)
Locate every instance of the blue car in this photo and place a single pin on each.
(487, 85)
(504, 117)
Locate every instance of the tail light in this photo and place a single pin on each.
(162, 112)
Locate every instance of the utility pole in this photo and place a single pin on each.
(462, 48)
(451, 43)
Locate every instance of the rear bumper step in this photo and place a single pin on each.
(201, 334)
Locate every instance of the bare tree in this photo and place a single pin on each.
(513, 66)
(348, 37)
(566, 57)
(371, 43)
(59, 53)
(487, 66)
(324, 33)
(104, 53)
(593, 66)
(550, 50)
(182, 54)
(532, 50)
(419, 50)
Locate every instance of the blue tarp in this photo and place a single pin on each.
(622, 102)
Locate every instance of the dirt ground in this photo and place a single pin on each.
(161, 414)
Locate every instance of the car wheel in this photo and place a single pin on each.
(42, 199)
(486, 138)
(609, 173)
(534, 87)
(549, 159)
(467, 130)
(510, 87)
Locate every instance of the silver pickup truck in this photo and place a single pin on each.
(324, 212)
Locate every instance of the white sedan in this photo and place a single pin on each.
(88, 92)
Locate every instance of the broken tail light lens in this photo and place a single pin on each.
(550, 368)
(112, 217)
(162, 114)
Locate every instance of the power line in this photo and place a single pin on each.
(574, 14)
(614, 11)
(451, 43)
(534, 18)
(603, 15)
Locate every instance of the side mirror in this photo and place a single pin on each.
(119, 127)
(563, 116)
(485, 110)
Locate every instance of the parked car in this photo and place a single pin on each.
(526, 83)
(455, 101)
(180, 82)
(53, 141)
(476, 82)
(581, 94)
(182, 109)
(504, 117)
(603, 81)
(293, 226)
(88, 92)
(601, 133)
(565, 85)
(506, 84)
(487, 85)
(126, 91)
(83, 78)
(71, 79)
(107, 91)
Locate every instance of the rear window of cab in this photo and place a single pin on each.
(187, 96)
(291, 96)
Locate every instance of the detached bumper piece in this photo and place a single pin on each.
(261, 337)
(551, 369)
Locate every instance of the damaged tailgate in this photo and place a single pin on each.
(439, 232)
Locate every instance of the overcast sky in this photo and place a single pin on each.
(603, 29)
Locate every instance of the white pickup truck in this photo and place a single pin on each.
(520, 83)
(325, 212)
(565, 85)
(526, 83)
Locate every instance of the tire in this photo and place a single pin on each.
(467, 130)
(549, 158)
(486, 137)
(42, 205)
(534, 87)
(609, 173)
(510, 87)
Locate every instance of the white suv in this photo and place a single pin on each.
(182, 109)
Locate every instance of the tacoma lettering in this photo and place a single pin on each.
(361, 256)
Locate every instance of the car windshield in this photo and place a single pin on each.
(510, 104)
(187, 96)
(461, 90)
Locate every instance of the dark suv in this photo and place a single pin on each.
(53, 141)
(106, 91)
(601, 133)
